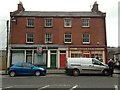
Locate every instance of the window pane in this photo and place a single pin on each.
(30, 37)
(68, 38)
(17, 54)
(48, 38)
(86, 37)
(30, 22)
(48, 23)
(67, 23)
(85, 22)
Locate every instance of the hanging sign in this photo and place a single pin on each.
(39, 50)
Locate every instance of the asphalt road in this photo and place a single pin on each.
(57, 81)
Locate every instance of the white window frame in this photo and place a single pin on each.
(48, 37)
(67, 22)
(48, 23)
(85, 22)
(68, 38)
(30, 37)
(85, 42)
(30, 22)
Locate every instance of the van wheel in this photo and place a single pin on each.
(76, 72)
(106, 72)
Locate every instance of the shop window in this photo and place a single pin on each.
(76, 54)
(98, 54)
(18, 56)
(39, 60)
(64, 52)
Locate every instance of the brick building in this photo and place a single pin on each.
(49, 38)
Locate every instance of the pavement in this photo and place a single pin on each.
(58, 71)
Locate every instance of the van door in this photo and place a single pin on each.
(86, 65)
(97, 66)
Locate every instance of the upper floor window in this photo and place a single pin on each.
(30, 22)
(67, 22)
(48, 38)
(85, 22)
(29, 37)
(48, 22)
(86, 38)
(68, 38)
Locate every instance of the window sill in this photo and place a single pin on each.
(67, 42)
(86, 43)
(48, 43)
(29, 42)
(30, 27)
(67, 26)
(85, 26)
(48, 27)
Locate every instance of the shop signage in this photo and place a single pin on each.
(86, 48)
(39, 50)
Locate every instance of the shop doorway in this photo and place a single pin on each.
(86, 54)
(29, 56)
(53, 59)
(62, 59)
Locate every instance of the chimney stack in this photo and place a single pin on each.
(20, 7)
(95, 7)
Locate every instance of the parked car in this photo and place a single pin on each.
(77, 66)
(23, 68)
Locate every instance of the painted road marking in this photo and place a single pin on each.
(73, 87)
(116, 87)
(9, 87)
(43, 87)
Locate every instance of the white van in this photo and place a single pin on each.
(77, 66)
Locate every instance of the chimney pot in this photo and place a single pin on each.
(95, 7)
(20, 7)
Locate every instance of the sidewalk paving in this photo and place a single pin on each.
(58, 71)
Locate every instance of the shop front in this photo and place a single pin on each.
(89, 52)
(50, 57)
(28, 55)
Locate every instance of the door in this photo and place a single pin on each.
(53, 59)
(29, 56)
(97, 66)
(86, 54)
(62, 59)
(27, 69)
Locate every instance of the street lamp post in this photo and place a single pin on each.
(7, 23)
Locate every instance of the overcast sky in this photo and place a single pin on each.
(108, 6)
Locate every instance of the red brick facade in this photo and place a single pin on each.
(96, 31)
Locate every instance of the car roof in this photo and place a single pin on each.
(21, 63)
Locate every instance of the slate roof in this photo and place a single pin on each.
(59, 14)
